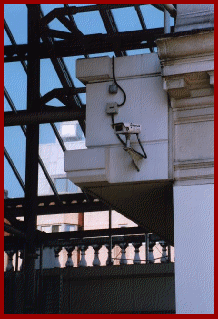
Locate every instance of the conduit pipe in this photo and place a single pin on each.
(171, 9)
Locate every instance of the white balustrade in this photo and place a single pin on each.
(22, 258)
(151, 253)
(10, 266)
(109, 261)
(69, 262)
(164, 257)
(97, 246)
(83, 262)
(57, 251)
(96, 261)
(123, 260)
(137, 259)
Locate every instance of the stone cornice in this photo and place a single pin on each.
(185, 55)
(194, 164)
(193, 119)
(186, 45)
(190, 103)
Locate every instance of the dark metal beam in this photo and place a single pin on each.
(10, 102)
(62, 94)
(110, 26)
(50, 199)
(13, 42)
(57, 12)
(10, 35)
(72, 203)
(57, 115)
(11, 230)
(18, 224)
(92, 233)
(65, 209)
(47, 176)
(32, 148)
(73, 28)
(58, 136)
(62, 72)
(140, 16)
(142, 21)
(16, 173)
(95, 43)
(102, 239)
(158, 6)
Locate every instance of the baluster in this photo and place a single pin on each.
(10, 266)
(37, 261)
(83, 262)
(16, 260)
(22, 258)
(169, 253)
(137, 259)
(57, 251)
(96, 261)
(109, 261)
(151, 252)
(123, 260)
(164, 257)
(69, 262)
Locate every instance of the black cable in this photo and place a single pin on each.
(145, 156)
(112, 116)
(124, 100)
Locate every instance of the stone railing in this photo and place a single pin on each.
(97, 251)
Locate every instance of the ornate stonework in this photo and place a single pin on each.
(188, 76)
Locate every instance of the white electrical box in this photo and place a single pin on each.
(111, 108)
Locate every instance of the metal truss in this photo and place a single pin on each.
(92, 44)
(11, 163)
(14, 112)
(46, 205)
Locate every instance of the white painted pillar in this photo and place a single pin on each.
(194, 248)
(184, 59)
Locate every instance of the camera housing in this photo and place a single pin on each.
(127, 128)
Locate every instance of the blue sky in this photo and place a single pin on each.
(15, 79)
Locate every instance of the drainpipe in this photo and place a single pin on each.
(171, 9)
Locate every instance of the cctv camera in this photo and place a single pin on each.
(127, 128)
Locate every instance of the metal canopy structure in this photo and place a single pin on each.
(46, 43)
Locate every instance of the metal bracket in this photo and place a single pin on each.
(136, 157)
